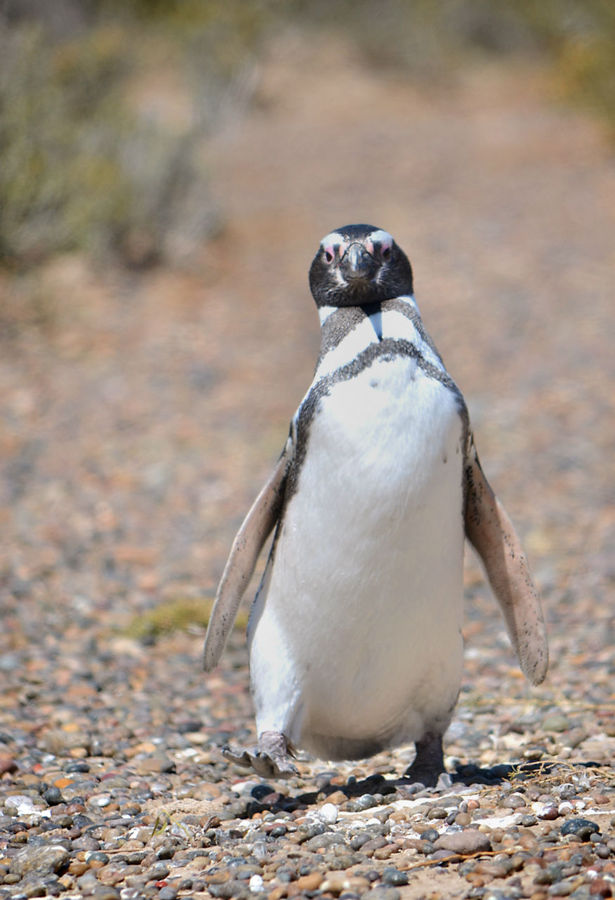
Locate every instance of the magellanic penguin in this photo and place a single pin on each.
(355, 631)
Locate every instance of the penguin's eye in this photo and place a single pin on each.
(329, 256)
(386, 252)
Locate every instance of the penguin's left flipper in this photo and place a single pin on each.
(248, 543)
(493, 536)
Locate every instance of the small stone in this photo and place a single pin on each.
(514, 801)
(157, 872)
(359, 840)
(547, 811)
(105, 892)
(464, 842)
(309, 882)
(22, 804)
(168, 892)
(556, 722)
(99, 800)
(256, 884)
(562, 888)
(493, 869)
(43, 859)
(370, 847)
(228, 890)
(154, 765)
(335, 882)
(96, 859)
(384, 893)
(39, 886)
(394, 877)
(437, 812)
(77, 766)
(166, 851)
(52, 795)
(583, 828)
(365, 801)
(601, 888)
(324, 841)
(7, 764)
(549, 875)
(77, 867)
(328, 813)
(430, 834)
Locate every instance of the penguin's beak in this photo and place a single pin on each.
(358, 264)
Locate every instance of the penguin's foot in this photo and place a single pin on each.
(269, 759)
(429, 761)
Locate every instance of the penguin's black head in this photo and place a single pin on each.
(359, 264)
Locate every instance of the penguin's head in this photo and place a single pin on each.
(357, 265)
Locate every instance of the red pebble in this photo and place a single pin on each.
(7, 764)
(600, 888)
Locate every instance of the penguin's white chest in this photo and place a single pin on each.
(355, 636)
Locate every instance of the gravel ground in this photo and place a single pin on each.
(137, 428)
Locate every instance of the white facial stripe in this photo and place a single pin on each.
(381, 237)
(333, 241)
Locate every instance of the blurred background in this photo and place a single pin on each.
(167, 170)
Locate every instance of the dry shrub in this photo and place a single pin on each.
(85, 165)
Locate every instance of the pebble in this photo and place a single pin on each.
(463, 842)
(52, 795)
(583, 828)
(40, 859)
(328, 813)
(394, 876)
(384, 893)
(256, 883)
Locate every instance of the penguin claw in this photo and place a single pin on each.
(265, 764)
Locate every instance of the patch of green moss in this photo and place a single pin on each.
(176, 614)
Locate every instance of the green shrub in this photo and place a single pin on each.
(84, 165)
(431, 39)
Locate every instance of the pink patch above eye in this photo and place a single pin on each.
(330, 252)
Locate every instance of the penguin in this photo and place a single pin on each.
(355, 632)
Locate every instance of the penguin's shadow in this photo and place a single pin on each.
(266, 799)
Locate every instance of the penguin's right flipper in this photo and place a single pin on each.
(248, 543)
(493, 536)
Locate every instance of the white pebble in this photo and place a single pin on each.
(327, 813)
(564, 808)
(22, 804)
(256, 884)
(100, 800)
